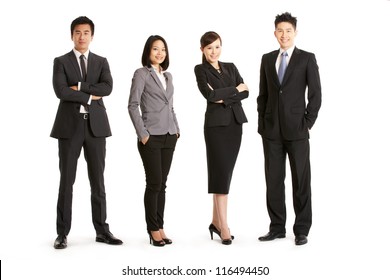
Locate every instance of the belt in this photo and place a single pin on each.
(85, 116)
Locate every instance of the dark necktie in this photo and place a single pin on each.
(83, 68)
(282, 66)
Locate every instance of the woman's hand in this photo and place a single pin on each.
(242, 87)
(145, 140)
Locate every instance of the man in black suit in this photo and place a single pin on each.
(81, 79)
(285, 117)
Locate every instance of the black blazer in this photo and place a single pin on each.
(283, 112)
(66, 73)
(215, 87)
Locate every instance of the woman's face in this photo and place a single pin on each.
(212, 51)
(157, 53)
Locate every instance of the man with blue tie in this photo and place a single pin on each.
(288, 105)
(81, 79)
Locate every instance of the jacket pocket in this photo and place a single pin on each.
(298, 110)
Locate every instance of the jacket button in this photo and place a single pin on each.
(281, 91)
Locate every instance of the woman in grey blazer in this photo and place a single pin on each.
(151, 111)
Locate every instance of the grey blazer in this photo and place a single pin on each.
(148, 95)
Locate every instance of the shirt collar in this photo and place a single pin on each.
(77, 53)
(156, 70)
(289, 51)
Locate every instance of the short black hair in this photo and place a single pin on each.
(82, 20)
(147, 49)
(286, 17)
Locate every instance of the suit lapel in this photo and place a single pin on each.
(213, 70)
(169, 90)
(73, 60)
(292, 63)
(273, 58)
(91, 65)
(158, 82)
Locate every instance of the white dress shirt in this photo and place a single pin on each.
(78, 54)
(160, 75)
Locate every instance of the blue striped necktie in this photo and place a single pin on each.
(282, 66)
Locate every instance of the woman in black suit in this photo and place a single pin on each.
(222, 86)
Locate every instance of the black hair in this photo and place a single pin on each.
(82, 20)
(148, 47)
(286, 17)
(208, 38)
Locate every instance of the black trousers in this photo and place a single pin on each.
(275, 152)
(156, 156)
(94, 153)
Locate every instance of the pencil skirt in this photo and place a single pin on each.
(222, 147)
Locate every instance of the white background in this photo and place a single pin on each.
(349, 142)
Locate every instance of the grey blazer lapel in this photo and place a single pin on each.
(169, 90)
(157, 80)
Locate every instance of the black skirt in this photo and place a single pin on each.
(222, 147)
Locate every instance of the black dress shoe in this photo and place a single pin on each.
(108, 238)
(300, 239)
(60, 242)
(272, 235)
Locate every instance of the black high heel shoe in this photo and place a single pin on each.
(213, 229)
(158, 243)
(167, 241)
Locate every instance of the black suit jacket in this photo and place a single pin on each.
(282, 108)
(215, 87)
(66, 73)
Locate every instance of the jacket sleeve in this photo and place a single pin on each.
(263, 92)
(240, 95)
(104, 86)
(212, 95)
(136, 91)
(262, 99)
(314, 95)
(62, 88)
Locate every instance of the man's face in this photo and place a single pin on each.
(285, 34)
(82, 37)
